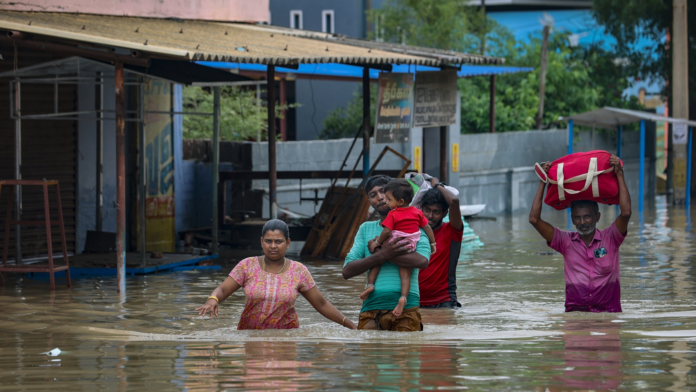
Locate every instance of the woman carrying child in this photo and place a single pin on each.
(404, 222)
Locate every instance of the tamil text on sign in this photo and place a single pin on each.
(394, 108)
(436, 99)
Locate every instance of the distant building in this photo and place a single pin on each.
(223, 10)
(319, 97)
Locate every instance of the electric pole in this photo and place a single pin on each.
(542, 75)
(680, 93)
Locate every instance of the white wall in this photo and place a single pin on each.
(87, 165)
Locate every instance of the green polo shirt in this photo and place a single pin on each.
(388, 285)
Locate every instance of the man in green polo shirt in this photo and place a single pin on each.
(376, 311)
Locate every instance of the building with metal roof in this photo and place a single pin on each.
(32, 38)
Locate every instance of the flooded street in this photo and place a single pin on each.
(512, 332)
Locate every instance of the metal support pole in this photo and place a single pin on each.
(619, 141)
(366, 120)
(216, 164)
(120, 179)
(284, 117)
(258, 107)
(18, 171)
(492, 104)
(443, 153)
(142, 188)
(641, 177)
(272, 173)
(542, 76)
(687, 201)
(100, 150)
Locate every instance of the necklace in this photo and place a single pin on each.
(263, 265)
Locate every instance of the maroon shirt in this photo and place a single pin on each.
(591, 272)
(438, 282)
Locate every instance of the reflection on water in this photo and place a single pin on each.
(592, 355)
(511, 333)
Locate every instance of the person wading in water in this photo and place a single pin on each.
(438, 284)
(591, 256)
(271, 285)
(377, 309)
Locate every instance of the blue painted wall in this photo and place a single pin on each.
(348, 14)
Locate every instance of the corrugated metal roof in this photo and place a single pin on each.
(445, 56)
(229, 42)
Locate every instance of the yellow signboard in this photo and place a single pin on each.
(159, 168)
(417, 159)
(455, 157)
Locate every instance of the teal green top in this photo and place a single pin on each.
(388, 285)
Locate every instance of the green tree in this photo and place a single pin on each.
(429, 23)
(633, 22)
(241, 118)
(578, 79)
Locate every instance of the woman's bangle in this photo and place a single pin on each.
(215, 298)
(343, 321)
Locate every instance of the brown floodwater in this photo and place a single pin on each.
(511, 334)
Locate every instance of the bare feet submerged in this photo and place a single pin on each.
(368, 289)
(399, 307)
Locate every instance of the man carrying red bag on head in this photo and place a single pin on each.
(591, 256)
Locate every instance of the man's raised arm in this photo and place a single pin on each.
(624, 196)
(455, 214)
(543, 227)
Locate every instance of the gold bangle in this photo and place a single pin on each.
(343, 321)
(215, 298)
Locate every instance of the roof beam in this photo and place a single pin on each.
(379, 67)
(72, 50)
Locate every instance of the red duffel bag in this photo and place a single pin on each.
(580, 176)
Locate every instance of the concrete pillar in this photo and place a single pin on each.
(680, 92)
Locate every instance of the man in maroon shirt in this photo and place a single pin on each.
(438, 285)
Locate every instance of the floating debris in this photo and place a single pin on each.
(53, 353)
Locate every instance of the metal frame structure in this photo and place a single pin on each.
(50, 268)
(121, 116)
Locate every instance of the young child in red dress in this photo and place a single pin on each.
(403, 221)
